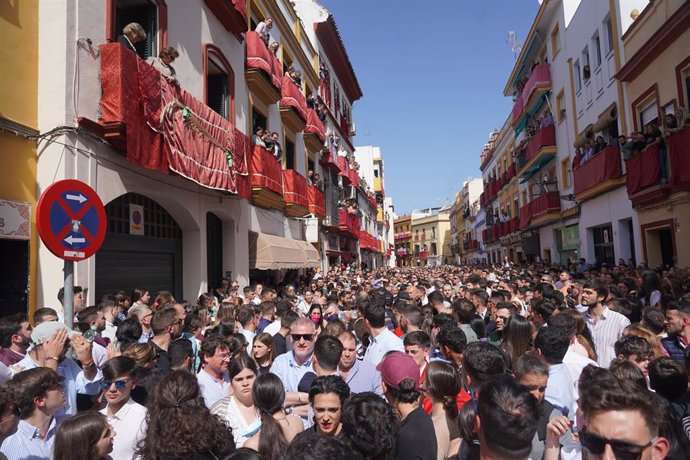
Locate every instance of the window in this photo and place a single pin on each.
(609, 35)
(560, 105)
(565, 172)
(648, 114)
(151, 14)
(555, 42)
(258, 120)
(287, 61)
(289, 155)
(586, 71)
(219, 89)
(596, 43)
(433, 249)
(578, 76)
(603, 244)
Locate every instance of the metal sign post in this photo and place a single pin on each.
(68, 301)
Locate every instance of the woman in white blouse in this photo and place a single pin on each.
(238, 409)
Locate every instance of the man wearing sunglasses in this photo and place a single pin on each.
(621, 422)
(126, 416)
(291, 367)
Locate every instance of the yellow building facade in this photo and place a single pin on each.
(18, 128)
(656, 78)
(402, 227)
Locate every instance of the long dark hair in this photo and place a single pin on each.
(517, 337)
(269, 396)
(179, 424)
(443, 383)
(78, 435)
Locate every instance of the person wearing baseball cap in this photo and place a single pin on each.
(400, 384)
(50, 342)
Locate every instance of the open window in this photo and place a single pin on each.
(258, 120)
(151, 14)
(219, 83)
(289, 154)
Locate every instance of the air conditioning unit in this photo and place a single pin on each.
(353, 129)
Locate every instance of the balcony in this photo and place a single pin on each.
(314, 132)
(145, 118)
(266, 179)
(345, 171)
(517, 109)
(540, 149)
(316, 200)
(354, 178)
(368, 242)
(539, 81)
(402, 236)
(541, 210)
(599, 175)
(328, 161)
(424, 255)
(378, 184)
(263, 72)
(295, 193)
(503, 229)
(232, 14)
(348, 223)
(643, 171)
(293, 106)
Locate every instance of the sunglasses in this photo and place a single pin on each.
(119, 384)
(595, 445)
(306, 337)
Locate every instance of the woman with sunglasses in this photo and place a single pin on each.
(238, 410)
(126, 416)
(85, 436)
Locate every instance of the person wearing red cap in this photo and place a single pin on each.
(400, 383)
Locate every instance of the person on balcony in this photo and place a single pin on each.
(263, 29)
(257, 137)
(163, 63)
(634, 145)
(652, 136)
(131, 34)
(275, 148)
(546, 120)
(600, 144)
(589, 151)
(577, 161)
(273, 48)
(295, 75)
(317, 181)
(310, 177)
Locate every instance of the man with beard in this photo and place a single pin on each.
(15, 338)
(359, 376)
(166, 327)
(213, 378)
(605, 325)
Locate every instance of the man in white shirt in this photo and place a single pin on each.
(109, 309)
(126, 416)
(382, 340)
(213, 378)
(605, 325)
(248, 320)
(552, 344)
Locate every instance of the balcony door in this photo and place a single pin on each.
(144, 12)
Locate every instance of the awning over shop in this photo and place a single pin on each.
(270, 252)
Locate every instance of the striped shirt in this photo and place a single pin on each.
(606, 330)
(26, 443)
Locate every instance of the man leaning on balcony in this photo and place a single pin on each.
(131, 34)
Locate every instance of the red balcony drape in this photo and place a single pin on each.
(317, 202)
(169, 130)
(517, 109)
(544, 137)
(259, 57)
(292, 96)
(643, 169)
(540, 78)
(603, 166)
(315, 125)
(679, 157)
(265, 170)
(294, 187)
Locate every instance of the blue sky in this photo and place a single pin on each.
(432, 73)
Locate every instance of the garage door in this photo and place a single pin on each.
(152, 261)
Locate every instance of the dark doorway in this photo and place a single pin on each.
(152, 261)
(632, 242)
(666, 246)
(214, 250)
(14, 277)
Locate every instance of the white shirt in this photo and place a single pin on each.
(130, 425)
(249, 335)
(211, 389)
(228, 410)
(606, 331)
(109, 331)
(273, 328)
(380, 345)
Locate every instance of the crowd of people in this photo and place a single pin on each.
(533, 361)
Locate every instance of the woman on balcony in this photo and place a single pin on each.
(163, 63)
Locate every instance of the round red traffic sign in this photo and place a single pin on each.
(70, 219)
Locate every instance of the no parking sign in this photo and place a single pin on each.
(71, 220)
